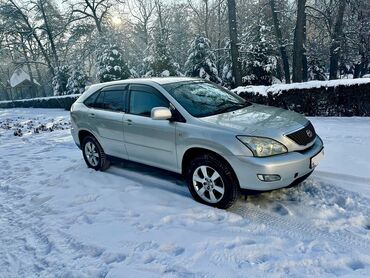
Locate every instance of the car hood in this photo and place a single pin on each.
(259, 120)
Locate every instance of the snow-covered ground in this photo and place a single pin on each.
(60, 219)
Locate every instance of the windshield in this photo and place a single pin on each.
(202, 99)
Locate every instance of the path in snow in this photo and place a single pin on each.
(58, 218)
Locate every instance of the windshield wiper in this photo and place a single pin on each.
(234, 107)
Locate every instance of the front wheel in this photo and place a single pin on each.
(94, 154)
(212, 182)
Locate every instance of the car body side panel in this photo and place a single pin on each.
(106, 126)
(151, 141)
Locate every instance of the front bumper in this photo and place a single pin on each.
(290, 166)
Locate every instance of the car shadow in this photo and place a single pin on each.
(150, 176)
(173, 182)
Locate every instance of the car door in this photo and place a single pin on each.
(149, 141)
(106, 116)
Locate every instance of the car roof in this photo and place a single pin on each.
(148, 81)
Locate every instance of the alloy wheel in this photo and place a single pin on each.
(208, 184)
(92, 154)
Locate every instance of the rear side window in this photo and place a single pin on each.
(142, 102)
(113, 100)
(89, 102)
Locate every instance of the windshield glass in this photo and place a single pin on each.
(202, 99)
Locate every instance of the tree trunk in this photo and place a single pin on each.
(234, 42)
(49, 33)
(279, 38)
(299, 38)
(219, 31)
(336, 40)
(206, 18)
(40, 79)
(304, 54)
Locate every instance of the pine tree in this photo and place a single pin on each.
(261, 61)
(316, 70)
(159, 61)
(201, 58)
(76, 82)
(111, 65)
(60, 80)
(228, 79)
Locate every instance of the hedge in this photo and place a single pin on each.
(319, 98)
(64, 102)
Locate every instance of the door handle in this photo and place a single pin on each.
(92, 115)
(129, 122)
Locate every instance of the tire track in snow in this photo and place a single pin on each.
(292, 226)
(21, 234)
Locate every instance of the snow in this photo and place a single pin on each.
(59, 218)
(277, 88)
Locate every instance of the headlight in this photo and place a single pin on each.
(261, 146)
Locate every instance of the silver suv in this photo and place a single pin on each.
(217, 140)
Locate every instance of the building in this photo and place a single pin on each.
(22, 86)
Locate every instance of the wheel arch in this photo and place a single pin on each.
(83, 133)
(193, 152)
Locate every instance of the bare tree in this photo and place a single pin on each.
(202, 13)
(27, 27)
(142, 12)
(96, 10)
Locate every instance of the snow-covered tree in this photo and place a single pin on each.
(316, 70)
(201, 59)
(159, 61)
(76, 82)
(60, 80)
(227, 77)
(111, 65)
(260, 63)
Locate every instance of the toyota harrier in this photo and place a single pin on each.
(217, 140)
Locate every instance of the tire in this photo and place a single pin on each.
(223, 185)
(94, 154)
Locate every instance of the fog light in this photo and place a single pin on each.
(267, 177)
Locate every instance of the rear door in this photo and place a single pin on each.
(106, 116)
(149, 141)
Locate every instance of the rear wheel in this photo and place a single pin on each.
(212, 182)
(94, 154)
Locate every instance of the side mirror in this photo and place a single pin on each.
(161, 113)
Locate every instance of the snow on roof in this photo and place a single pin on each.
(276, 88)
(19, 76)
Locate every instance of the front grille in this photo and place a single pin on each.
(303, 136)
